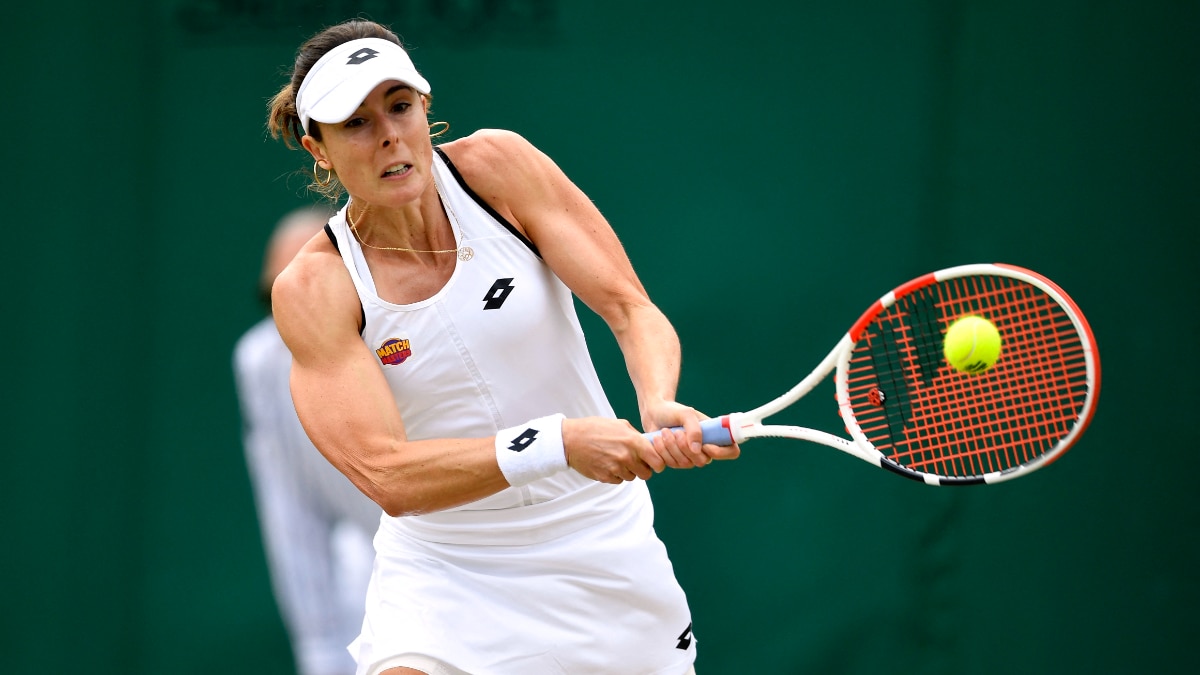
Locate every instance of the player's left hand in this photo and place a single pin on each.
(682, 448)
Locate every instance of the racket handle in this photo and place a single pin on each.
(715, 431)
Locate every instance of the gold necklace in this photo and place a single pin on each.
(465, 253)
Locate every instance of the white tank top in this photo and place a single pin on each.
(498, 345)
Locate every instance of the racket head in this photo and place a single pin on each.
(899, 397)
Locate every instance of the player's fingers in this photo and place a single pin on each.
(644, 450)
(626, 473)
(667, 443)
(615, 471)
(691, 441)
(653, 454)
(723, 451)
(642, 470)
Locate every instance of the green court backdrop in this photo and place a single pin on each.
(772, 168)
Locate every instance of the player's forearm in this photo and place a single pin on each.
(652, 354)
(419, 477)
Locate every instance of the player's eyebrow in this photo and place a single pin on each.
(389, 92)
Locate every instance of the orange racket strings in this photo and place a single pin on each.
(922, 413)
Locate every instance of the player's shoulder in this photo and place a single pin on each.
(480, 156)
(487, 142)
(314, 268)
(314, 299)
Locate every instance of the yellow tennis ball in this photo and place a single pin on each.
(972, 344)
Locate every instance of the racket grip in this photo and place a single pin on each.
(715, 431)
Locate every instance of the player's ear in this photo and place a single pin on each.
(317, 150)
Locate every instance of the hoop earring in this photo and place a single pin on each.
(317, 177)
(444, 127)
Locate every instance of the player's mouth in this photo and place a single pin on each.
(397, 170)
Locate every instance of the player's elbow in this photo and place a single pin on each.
(389, 488)
(395, 508)
(397, 503)
(393, 501)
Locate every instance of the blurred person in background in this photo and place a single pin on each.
(316, 525)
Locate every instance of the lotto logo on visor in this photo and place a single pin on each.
(364, 54)
(341, 79)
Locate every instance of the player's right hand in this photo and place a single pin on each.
(609, 450)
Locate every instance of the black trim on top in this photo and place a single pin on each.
(486, 207)
(362, 310)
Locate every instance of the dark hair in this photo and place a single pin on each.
(282, 119)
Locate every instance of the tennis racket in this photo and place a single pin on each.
(907, 410)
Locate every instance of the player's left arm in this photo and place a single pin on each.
(580, 246)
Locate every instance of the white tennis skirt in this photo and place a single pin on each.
(584, 588)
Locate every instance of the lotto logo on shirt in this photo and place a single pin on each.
(394, 351)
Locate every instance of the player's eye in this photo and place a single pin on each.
(401, 106)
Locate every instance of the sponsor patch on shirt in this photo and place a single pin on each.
(394, 351)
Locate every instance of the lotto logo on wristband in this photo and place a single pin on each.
(531, 450)
(524, 440)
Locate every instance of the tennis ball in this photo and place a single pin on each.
(972, 344)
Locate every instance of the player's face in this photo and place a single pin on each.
(382, 153)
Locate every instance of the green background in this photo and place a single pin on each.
(772, 168)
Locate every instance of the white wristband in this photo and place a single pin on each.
(532, 450)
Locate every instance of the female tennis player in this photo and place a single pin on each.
(439, 364)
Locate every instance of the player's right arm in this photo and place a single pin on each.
(346, 406)
(349, 413)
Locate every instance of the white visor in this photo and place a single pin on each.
(339, 82)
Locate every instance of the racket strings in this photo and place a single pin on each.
(921, 413)
(989, 430)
